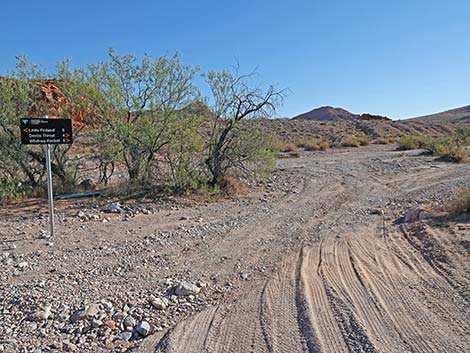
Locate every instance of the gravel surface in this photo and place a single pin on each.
(119, 272)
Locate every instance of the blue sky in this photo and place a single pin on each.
(396, 58)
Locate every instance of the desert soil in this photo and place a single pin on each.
(318, 260)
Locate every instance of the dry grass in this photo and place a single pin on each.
(324, 146)
(312, 144)
(289, 147)
(233, 187)
(461, 205)
(355, 141)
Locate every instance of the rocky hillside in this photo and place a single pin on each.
(290, 130)
(456, 116)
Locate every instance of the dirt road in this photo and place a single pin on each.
(359, 283)
(368, 292)
(318, 262)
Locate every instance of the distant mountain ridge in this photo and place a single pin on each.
(457, 115)
(328, 113)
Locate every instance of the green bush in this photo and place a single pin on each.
(462, 136)
(447, 148)
(412, 142)
(461, 205)
(312, 144)
(456, 155)
(355, 141)
(12, 188)
(324, 146)
(438, 146)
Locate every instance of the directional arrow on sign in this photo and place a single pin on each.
(48, 131)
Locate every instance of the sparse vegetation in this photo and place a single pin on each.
(462, 136)
(411, 142)
(324, 145)
(448, 148)
(145, 117)
(233, 187)
(355, 141)
(461, 205)
(312, 144)
(12, 188)
(289, 147)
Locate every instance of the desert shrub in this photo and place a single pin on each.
(254, 153)
(455, 155)
(289, 147)
(412, 142)
(438, 146)
(446, 148)
(350, 141)
(461, 136)
(354, 141)
(324, 146)
(308, 143)
(364, 141)
(461, 205)
(313, 144)
(233, 187)
(12, 188)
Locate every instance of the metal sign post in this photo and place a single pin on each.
(50, 195)
(47, 131)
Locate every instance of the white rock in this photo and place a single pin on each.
(143, 328)
(114, 207)
(92, 310)
(22, 265)
(158, 303)
(41, 313)
(186, 288)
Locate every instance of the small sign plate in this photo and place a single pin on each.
(37, 131)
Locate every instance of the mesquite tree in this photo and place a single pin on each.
(143, 101)
(236, 98)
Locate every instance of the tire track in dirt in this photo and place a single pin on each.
(370, 290)
(354, 294)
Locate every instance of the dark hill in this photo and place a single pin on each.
(336, 114)
(327, 114)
